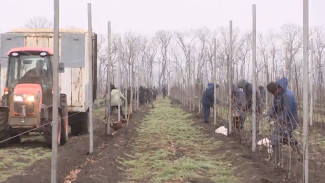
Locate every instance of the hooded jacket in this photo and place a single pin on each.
(210, 85)
(208, 97)
(285, 106)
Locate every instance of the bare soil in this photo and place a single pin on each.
(75, 165)
(254, 167)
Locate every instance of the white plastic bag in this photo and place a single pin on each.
(222, 130)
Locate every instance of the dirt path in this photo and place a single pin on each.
(105, 166)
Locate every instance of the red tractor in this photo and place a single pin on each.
(27, 102)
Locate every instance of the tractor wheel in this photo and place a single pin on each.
(48, 130)
(64, 120)
(4, 131)
(15, 140)
(64, 132)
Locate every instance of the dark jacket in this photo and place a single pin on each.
(239, 100)
(142, 95)
(208, 97)
(248, 90)
(210, 85)
(285, 106)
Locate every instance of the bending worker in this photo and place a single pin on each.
(207, 101)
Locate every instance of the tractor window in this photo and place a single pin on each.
(12, 73)
(33, 67)
(27, 68)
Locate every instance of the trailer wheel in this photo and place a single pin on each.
(4, 131)
(47, 130)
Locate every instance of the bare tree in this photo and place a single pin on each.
(319, 51)
(39, 22)
(291, 38)
(186, 43)
(148, 57)
(163, 38)
(204, 35)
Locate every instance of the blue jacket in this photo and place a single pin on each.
(208, 96)
(285, 106)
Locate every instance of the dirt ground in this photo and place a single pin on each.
(248, 168)
(292, 170)
(74, 165)
(73, 157)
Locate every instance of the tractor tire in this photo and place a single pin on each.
(64, 132)
(64, 120)
(47, 131)
(79, 123)
(15, 140)
(4, 131)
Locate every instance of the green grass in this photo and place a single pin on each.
(170, 148)
(13, 160)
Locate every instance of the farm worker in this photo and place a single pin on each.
(35, 75)
(207, 102)
(142, 95)
(37, 70)
(248, 90)
(150, 96)
(237, 100)
(248, 99)
(210, 85)
(284, 112)
(116, 100)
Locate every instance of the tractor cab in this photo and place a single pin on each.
(28, 95)
(29, 75)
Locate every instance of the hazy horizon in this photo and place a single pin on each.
(148, 16)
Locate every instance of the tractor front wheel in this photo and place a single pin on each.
(4, 131)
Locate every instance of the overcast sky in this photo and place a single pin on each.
(148, 16)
